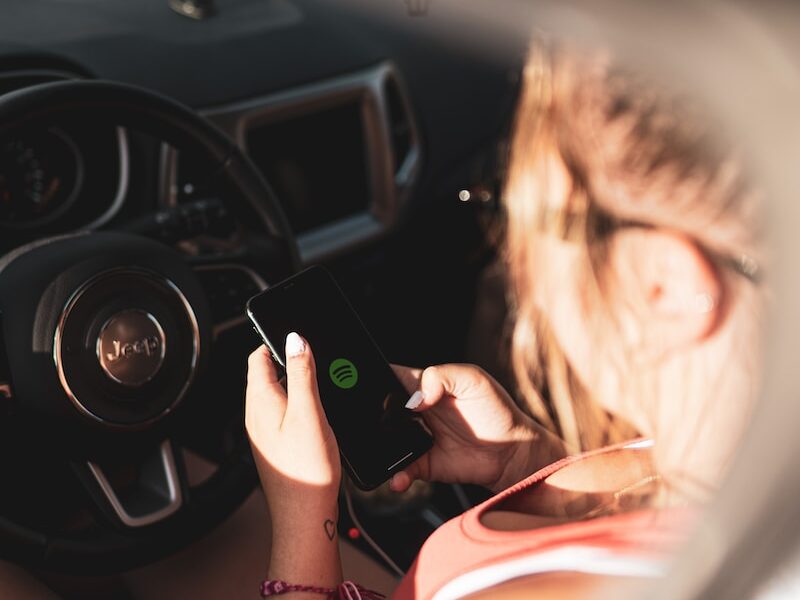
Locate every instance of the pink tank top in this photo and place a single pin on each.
(463, 556)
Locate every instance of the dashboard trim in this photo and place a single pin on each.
(122, 185)
(388, 188)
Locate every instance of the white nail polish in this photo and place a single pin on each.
(295, 345)
(415, 400)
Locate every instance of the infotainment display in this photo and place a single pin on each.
(316, 163)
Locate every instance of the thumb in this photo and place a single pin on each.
(301, 378)
(444, 381)
(408, 376)
(435, 383)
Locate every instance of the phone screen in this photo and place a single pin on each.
(363, 399)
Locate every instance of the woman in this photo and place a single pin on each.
(633, 257)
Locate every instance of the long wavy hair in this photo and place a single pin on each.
(634, 152)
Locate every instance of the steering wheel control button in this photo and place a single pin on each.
(131, 347)
(343, 373)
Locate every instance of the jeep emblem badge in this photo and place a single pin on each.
(130, 347)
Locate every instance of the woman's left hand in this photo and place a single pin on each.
(293, 445)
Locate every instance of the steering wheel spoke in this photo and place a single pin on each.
(138, 493)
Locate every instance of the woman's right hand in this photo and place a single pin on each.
(480, 435)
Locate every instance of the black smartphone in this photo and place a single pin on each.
(363, 399)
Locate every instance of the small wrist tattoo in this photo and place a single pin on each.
(330, 529)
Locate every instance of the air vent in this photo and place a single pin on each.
(401, 131)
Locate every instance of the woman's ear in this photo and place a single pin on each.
(670, 292)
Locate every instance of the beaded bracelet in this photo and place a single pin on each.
(347, 590)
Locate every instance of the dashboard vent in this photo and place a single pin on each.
(401, 130)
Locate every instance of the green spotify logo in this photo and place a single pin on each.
(343, 373)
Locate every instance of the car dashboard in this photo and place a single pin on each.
(382, 140)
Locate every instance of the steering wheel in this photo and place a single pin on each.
(111, 343)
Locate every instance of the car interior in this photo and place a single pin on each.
(161, 163)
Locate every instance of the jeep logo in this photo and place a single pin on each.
(131, 347)
(150, 345)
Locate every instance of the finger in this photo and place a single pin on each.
(266, 398)
(408, 376)
(433, 385)
(301, 378)
(402, 480)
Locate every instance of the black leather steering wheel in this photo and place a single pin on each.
(109, 341)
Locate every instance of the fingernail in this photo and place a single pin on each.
(295, 345)
(415, 400)
(704, 303)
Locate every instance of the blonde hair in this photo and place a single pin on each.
(633, 152)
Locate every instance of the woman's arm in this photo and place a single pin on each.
(305, 550)
(299, 467)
